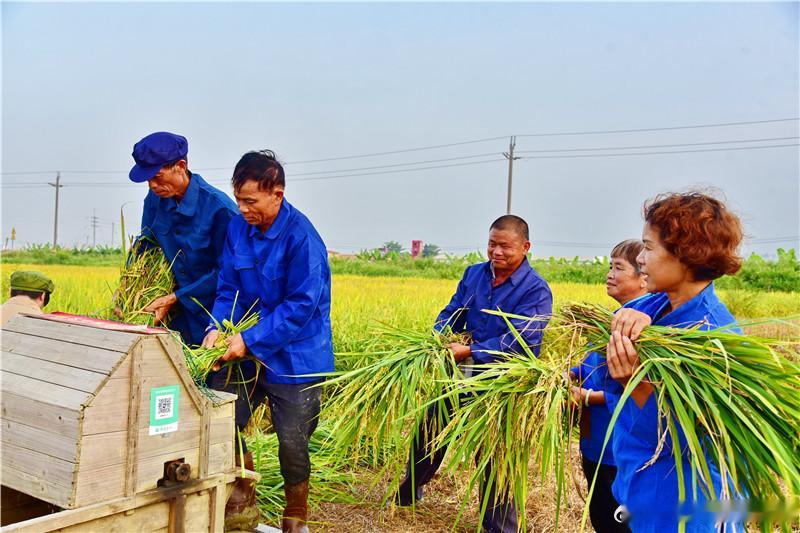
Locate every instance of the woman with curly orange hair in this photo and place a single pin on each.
(690, 239)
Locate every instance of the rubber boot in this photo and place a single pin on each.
(295, 514)
(241, 512)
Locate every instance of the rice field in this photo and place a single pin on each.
(357, 303)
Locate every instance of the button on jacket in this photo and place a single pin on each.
(192, 235)
(284, 275)
(524, 293)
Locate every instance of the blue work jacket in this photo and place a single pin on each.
(651, 493)
(284, 275)
(524, 293)
(191, 234)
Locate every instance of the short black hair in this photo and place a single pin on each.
(261, 166)
(33, 295)
(513, 223)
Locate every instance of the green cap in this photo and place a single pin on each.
(29, 280)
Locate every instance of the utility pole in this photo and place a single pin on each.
(94, 227)
(510, 156)
(57, 185)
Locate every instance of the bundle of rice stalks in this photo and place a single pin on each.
(376, 409)
(145, 276)
(736, 399)
(513, 411)
(330, 480)
(201, 360)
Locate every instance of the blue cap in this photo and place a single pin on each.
(155, 151)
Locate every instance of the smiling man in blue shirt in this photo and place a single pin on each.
(188, 219)
(506, 282)
(275, 263)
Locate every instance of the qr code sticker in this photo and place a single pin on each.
(164, 407)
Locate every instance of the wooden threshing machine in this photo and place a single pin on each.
(104, 430)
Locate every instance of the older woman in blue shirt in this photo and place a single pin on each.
(689, 240)
(625, 283)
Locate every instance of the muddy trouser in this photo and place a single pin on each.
(501, 514)
(294, 409)
(603, 505)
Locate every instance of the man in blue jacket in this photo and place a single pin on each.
(276, 264)
(506, 282)
(188, 219)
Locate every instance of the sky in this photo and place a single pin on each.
(82, 82)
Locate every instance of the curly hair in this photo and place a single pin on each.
(699, 230)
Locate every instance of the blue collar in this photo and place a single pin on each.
(188, 204)
(516, 277)
(278, 225)
(687, 312)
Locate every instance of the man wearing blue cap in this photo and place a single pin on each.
(188, 218)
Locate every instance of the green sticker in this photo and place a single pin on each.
(164, 408)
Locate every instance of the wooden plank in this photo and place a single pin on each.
(143, 520)
(205, 442)
(131, 457)
(117, 341)
(177, 514)
(54, 373)
(107, 412)
(56, 351)
(222, 430)
(216, 518)
(44, 441)
(197, 512)
(98, 484)
(57, 419)
(220, 457)
(43, 392)
(37, 463)
(39, 487)
(86, 514)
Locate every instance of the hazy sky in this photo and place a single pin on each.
(81, 83)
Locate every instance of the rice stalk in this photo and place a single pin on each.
(735, 398)
(512, 411)
(330, 480)
(201, 360)
(375, 411)
(145, 276)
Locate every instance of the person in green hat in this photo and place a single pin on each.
(30, 292)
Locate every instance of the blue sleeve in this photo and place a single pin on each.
(453, 314)
(227, 282)
(205, 287)
(306, 281)
(537, 303)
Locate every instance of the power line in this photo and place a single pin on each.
(448, 145)
(662, 153)
(669, 128)
(645, 146)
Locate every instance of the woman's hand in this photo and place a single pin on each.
(630, 323)
(623, 362)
